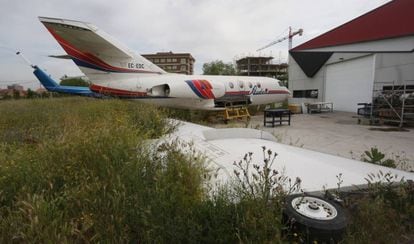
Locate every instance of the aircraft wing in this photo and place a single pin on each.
(316, 170)
(77, 36)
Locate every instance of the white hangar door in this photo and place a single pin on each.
(349, 83)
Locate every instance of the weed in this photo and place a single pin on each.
(374, 156)
(384, 214)
(261, 192)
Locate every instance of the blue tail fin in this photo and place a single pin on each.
(45, 79)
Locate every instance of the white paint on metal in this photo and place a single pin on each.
(316, 170)
(349, 83)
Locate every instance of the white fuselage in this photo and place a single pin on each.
(192, 91)
(114, 70)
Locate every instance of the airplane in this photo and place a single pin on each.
(307, 206)
(114, 70)
(52, 86)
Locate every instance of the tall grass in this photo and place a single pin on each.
(81, 170)
(76, 169)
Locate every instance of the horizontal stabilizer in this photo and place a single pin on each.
(63, 56)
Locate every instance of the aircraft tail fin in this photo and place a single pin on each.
(94, 51)
(45, 79)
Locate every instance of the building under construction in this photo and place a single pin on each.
(261, 66)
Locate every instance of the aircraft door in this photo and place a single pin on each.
(243, 90)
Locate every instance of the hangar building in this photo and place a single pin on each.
(347, 64)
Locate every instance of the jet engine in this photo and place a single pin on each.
(194, 89)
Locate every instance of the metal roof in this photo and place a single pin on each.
(394, 19)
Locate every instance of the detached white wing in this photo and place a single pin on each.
(316, 170)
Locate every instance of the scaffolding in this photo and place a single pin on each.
(393, 102)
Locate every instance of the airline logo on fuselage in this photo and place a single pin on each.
(202, 88)
(258, 91)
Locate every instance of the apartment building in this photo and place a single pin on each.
(182, 63)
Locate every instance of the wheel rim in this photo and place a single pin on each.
(314, 208)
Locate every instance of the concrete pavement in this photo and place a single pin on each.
(339, 133)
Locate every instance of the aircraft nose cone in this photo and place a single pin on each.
(288, 93)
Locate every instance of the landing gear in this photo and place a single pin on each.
(314, 218)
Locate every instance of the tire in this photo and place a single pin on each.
(314, 218)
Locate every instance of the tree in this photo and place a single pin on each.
(31, 94)
(74, 82)
(218, 68)
(16, 94)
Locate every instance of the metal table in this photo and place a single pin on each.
(273, 115)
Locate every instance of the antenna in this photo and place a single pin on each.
(25, 59)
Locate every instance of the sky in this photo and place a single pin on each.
(208, 29)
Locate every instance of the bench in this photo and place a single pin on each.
(319, 107)
(273, 115)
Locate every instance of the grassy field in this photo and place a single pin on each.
(80, 170)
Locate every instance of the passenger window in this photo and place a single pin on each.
(259, 85)
(231, 85)
(250, 85)
(241, 84)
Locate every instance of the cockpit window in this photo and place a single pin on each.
(280, 83)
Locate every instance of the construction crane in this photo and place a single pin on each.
(290, 37)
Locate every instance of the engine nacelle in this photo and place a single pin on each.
(159, 91)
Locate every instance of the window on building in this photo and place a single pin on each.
(156, 60)
(174, 67)
(168, 60)
(163, 60)
(174, 60)
(306, 93)
(183, 61)
(183, 68)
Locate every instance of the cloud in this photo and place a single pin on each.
(209, 29)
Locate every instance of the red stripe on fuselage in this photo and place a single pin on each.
(264, 92)
(279, 92)
(116, 92)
